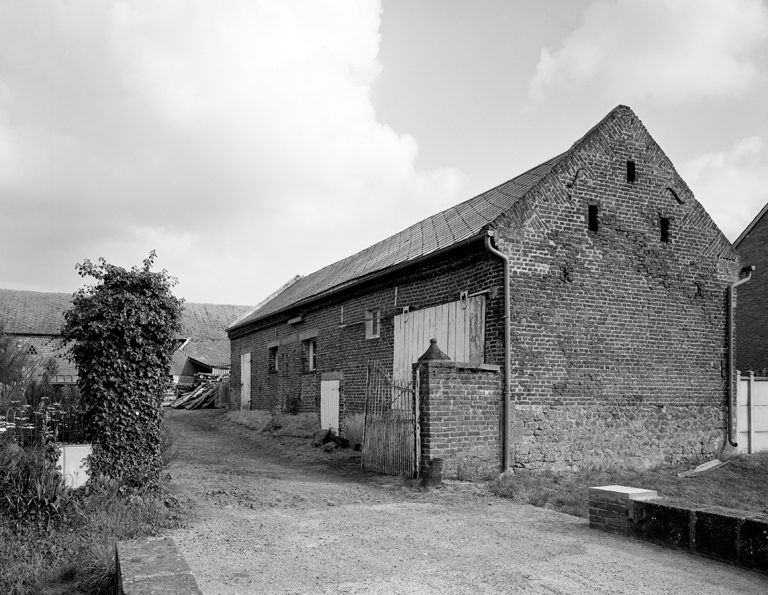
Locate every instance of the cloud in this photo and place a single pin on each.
(239, 135)
(731, 184)
(666, 51)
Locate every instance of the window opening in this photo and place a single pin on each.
(311, 351)
(273, 359)
(664, 225)
(630, 171)
(592, 218)
(372, 323)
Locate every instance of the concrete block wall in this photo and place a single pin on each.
(725, 534)
(460, 413)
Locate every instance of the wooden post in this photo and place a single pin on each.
(751, 412)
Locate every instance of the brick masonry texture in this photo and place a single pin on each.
(751, 313)
(460, 416)
(618, 347)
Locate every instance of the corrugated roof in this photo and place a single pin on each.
(439, 231)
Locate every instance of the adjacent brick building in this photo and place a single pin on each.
(751, 314)
(617, 293)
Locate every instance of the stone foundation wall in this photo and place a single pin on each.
(572, 437)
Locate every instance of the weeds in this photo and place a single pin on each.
(77, 556)
(740, 485)
(302, 425)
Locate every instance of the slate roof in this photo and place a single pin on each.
(42, 313)
(33, 312)
(439, 231)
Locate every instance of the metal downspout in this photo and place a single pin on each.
(731, 393)
(507, 336)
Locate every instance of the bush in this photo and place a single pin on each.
(122, 335)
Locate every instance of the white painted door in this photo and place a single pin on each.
(752, 414)
(245, 380)
(329, 405)
(459, 328)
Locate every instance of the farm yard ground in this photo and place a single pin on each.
(273, 515)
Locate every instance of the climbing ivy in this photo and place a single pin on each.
(122, 332)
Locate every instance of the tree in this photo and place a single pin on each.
(122, 334)
(17, 370)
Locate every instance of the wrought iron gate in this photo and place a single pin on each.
(391, 442)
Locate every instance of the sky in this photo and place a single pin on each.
(248, 141)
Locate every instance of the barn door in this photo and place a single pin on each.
(459, 328)
(245, 380)
(329, 405)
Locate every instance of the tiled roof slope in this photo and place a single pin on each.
(42, 313)
(211, 352)
(439, 231)
(33, 312)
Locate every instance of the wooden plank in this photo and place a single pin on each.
(476, 329)
(461, 354)
(450, 348)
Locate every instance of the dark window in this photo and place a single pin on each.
(630, 171)
(273, 359)
(372, 323)
(664, 225)
(592, 217)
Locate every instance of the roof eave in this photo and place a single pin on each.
(363, 280)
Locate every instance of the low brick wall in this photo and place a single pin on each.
(153, 566)
(721, 533)
(460, 410)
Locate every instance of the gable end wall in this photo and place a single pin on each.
(618, 338)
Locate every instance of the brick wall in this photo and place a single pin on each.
(751, 314)
(616, 331)
(342, 348)
(460, 416)
(618, 334)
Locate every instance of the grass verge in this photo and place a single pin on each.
(301, 425)
(739, 484)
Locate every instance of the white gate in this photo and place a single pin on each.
(459, 328)
(752, 413)
(329, 405)
(245, 380)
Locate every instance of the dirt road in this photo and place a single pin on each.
(276, 516)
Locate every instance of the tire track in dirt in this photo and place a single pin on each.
(276, 516)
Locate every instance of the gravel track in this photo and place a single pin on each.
(273, 515)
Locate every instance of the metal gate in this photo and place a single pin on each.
(391, 441)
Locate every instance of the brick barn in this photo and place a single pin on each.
(616, 290)
(751, 315)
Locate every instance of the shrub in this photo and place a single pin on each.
(122, 332)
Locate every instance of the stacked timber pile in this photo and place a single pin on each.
(203, 396)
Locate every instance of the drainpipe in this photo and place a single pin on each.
(731, 393)
(507, 335)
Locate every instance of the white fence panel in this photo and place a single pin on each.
(752, 413)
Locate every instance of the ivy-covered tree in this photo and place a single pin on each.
(122, 332)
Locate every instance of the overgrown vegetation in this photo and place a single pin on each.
(739, 484)
(53, 539)
(122, 333)
(75, 555)
(301, 425)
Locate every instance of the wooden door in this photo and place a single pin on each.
(329, 405)
(245, 380)
(459, 328)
